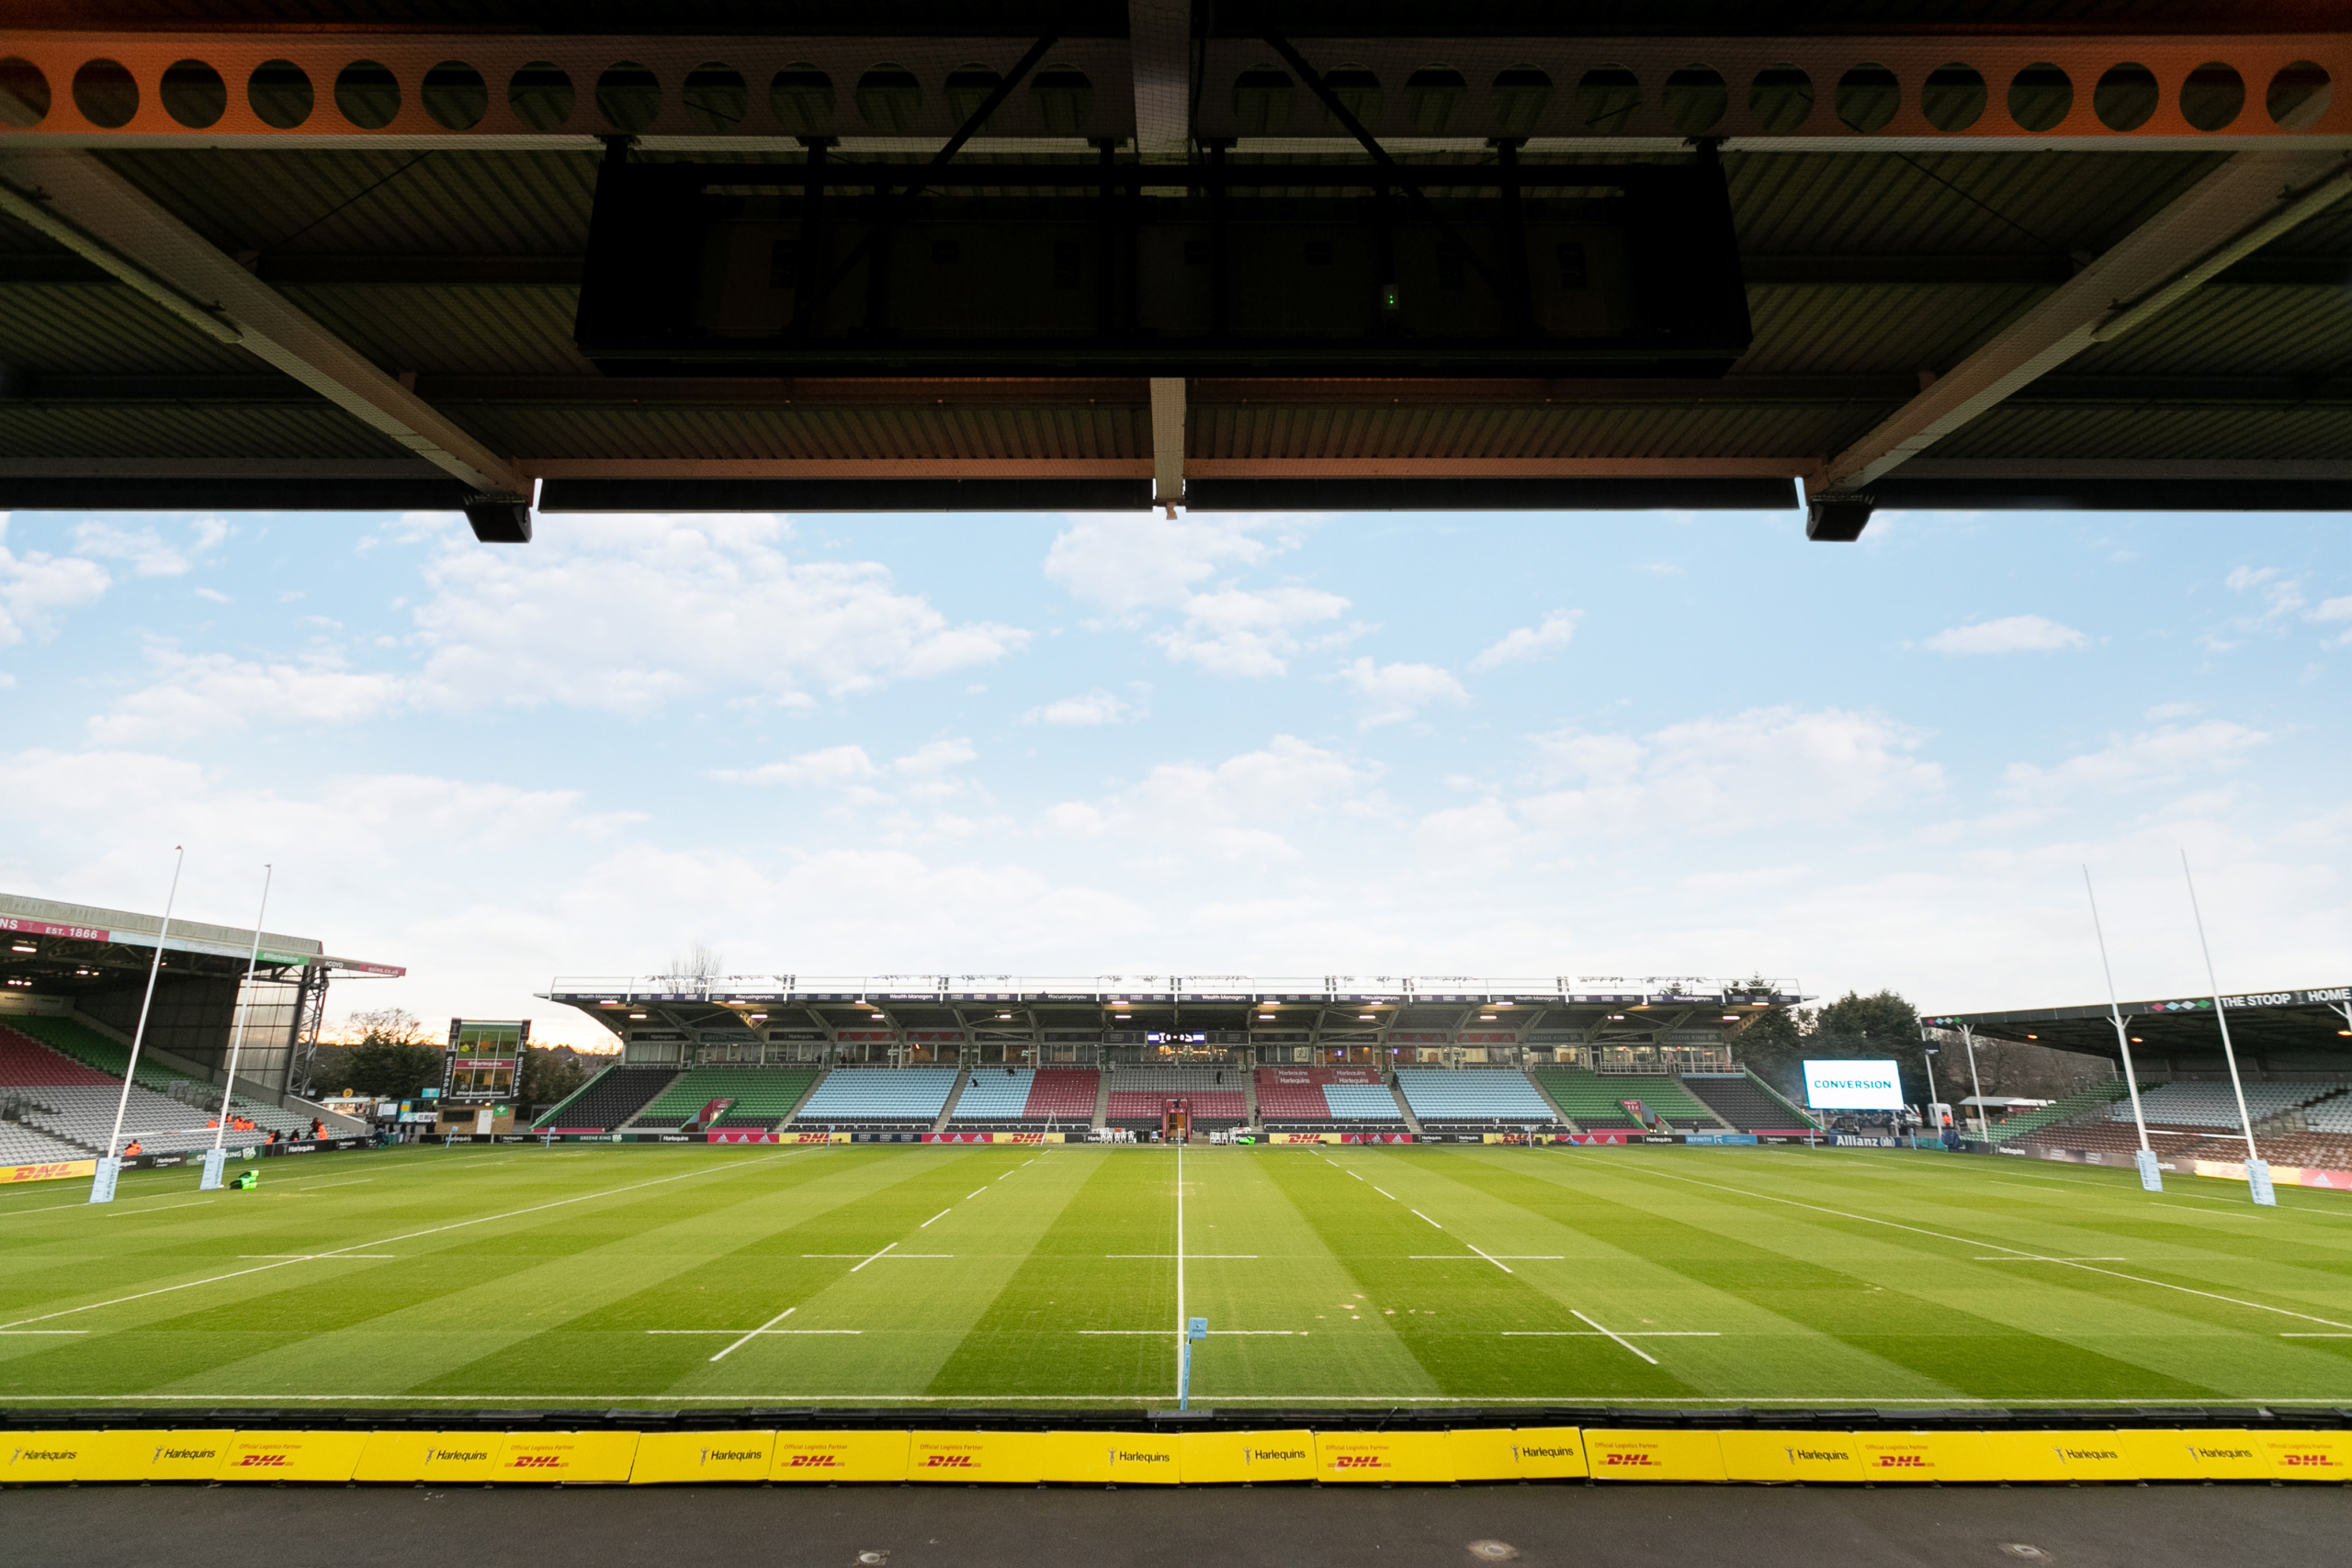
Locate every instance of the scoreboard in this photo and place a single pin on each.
(485, 1059)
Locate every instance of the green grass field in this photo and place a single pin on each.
(966, 1275)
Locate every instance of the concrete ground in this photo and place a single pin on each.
(1539, 1525)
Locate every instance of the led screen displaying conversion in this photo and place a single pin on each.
(1852, 1085)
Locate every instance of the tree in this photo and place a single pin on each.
(1879, 1025)
(697, 967)
(550, 1075)
(1772, 1047)
(383, 1052)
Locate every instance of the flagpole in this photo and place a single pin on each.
(2258, 1169)
(2150, 1177)
(214, 1159)
(110, 1167)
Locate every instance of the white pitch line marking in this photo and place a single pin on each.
(871, 1257)
(33, 1333)
(1600, 1333)
(119, 1213)
(969, 1196)
(388, 1241)
(934, 1219)
(1621, 1339)
(755, 1333)
(1425, 1218)
(1384, 1192)
(2049, 1260)
(1491, 1258)
(2214, 1213)
(1155, 1333)
(314, 1257)
(1193, 1255)
(1940, 1235)
(767, 1331)
(885, 1249)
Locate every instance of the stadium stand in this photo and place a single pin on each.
(1216, 1094)
(1592, 1099)
(2057, 1111)
(608, 1100)
(1027, 1099)
(27, 1061)
(68, 1100)
(2331, 1114)
(879, 1099)
(1473, 1097)
(2214, 1104)
(763, 1097)
(1747, 1103)
(1325, 1098)
(78, 1041)
(20, 1145)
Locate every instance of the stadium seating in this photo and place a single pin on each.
(1473, 1097)
(1592, 1099)
(855, 1098)
(68, 1101)
(2331, 1115)
(763, 1097)
(1216, 1094)
(1746, 1104)
(1325, 1098)
(2214, 1104)
(1010, 1098)
(20, 1145)
(608, 1100)
(25, 1061)
(76, 1040)
(2057, 1111)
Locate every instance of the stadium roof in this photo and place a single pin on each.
(50, 946)
(2270, 1031)
(1212, 1011)
(295, 254)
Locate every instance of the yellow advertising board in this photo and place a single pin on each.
(291, 1456)
(45, 1456)
(395, 1456)
(1773, 1455)
(1205, 1458)
(1922, 1455)
(144, 1454)
(2030, 1456)
(1640, 1455)
(667, 1456)
(2215, 1454)
(840, 1456)
(1121, 1459)
(1550, 1453)
(2307, 1456)
(575, 1458)
(1011, 1457)
(1383, 1456)
(463, 1456)
(1488, 1453)
(55, 1170)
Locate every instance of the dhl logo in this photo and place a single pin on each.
(951, 1461)
(264, 1462)
(1358, 1461)
(1901, 1461)
(536, 1462)
(813, 1462)
(2325, 1460)
(1627, 1458)
(44, 1172)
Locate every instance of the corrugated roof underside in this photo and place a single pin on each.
(2117, 433)
(98, 328)
(1582, 431)
(447, 330)
(152, 429)
(1849, 329)
(865, 433)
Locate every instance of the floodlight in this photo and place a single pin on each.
(23, 947)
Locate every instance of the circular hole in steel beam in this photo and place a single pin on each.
(1953, 98)
(2298, 95)
(192, 94)
(889, 98)
(107, 94)
(2213, 96)
(279, 92)
(540, 94)
(24, 93)
(801, 97)
(1695, 98)
(968, 87)
(1065, 99)
(715, 99)
(454, 95)
(1434, 99)
(629, 95)
(1358, 90)
(1781, 98)
(1867, 97)
(1606, 99)
(2126, 97)
(2041, 95)
(368, 93)
(1521, 93)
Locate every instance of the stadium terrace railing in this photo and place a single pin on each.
(1651, 991)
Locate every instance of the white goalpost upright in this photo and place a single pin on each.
(216, 1156)
(2258, 1169)
(2150, 1178)
(110, 1166)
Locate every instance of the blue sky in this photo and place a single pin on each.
(1511, 744)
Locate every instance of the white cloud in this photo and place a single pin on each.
(2011, 634)
(2337, 609)
(1237, 631)
(628, 614)
(213, 595)
(1232, 811)
(148, 553)
(1088, 708)
(215, 694)
(37, 589)
(1394, 692)
(1526, 642)
(1123, 565)
(1765, 766)
(836, 767)
(2164, 755)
